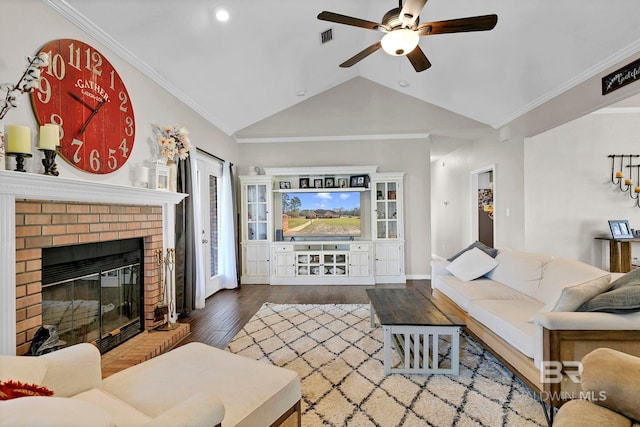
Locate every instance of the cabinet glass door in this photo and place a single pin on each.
(256, 212)
(386, 210)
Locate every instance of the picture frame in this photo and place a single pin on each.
(304, 182)
(285, 185)
(358, 181)
(329, 182)
(342, 182)
(620, 229)
(317, 183)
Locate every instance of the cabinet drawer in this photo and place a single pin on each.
(283, 248)
(355, 248)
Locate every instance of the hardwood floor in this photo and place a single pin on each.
(227, 311)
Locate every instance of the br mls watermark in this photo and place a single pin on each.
(552, 372)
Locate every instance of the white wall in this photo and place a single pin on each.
(569, 196)
(556, 186)
(451, 194)
(29, 24)
(407, 156)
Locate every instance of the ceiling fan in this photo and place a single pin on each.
(402, 31)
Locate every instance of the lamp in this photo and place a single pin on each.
(400, 42)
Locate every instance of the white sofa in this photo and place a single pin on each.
(524, 311)
(192, 385)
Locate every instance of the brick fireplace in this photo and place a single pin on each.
(41, 224)
(40, 211)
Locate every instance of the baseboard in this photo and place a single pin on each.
(418, 277)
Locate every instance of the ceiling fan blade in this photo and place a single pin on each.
(361, 55)
(475, 23)
(418, 59)
(347, 20)
(410, 11)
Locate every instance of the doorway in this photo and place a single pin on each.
(483, 205)
(209, 173)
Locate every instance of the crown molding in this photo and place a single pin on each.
(86, 25)
(326, 138)
(588, 73)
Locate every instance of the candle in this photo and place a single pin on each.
(636, 190)
(143, 174)
(18, 139)
(627, 182)
(619, 174)
(49, 137)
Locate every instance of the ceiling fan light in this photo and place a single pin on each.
(400, 42)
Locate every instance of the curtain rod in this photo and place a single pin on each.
(211, 155)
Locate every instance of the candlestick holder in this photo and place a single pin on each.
(49, 162)
(19, 160)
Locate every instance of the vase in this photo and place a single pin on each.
(173, 175)
(3, 156)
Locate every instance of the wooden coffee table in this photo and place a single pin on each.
(412, 326)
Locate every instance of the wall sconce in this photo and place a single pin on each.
(618, 176)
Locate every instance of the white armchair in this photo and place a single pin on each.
(192, 385)
(74, 375)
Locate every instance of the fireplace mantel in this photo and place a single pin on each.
(19, 185)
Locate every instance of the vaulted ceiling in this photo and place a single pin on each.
(264, 75)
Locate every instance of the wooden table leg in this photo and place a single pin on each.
(625, 257)
(614, 257)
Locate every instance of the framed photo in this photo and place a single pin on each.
(304, 182)
(342, 182)
(359, 181)
(317, 183)
(620, 229)
(329, 182)
(285, 185)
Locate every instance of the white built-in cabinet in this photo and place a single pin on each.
(388, 226)
(256, 228)
(377, 256)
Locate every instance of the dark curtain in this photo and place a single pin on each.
(236, 222)
(185, 242)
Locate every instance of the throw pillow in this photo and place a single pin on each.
(472, 264)
(621, 300)
(484, 248)
(629, 279)
(573, 297)
(13, 389)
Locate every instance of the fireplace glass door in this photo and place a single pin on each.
(96, 299)
(95, 307)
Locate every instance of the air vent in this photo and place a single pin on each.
(326, 36)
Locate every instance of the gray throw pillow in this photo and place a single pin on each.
(624, 299)
(477, 244)
(629, 279)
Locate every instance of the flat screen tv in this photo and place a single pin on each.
(330, 215)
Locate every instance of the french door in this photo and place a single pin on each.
(209, 174)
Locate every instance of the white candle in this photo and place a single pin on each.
(49, 137)
(18, 139)
(143, 174)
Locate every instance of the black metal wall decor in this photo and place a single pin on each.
(625, 182)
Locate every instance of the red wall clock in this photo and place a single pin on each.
(82, 93)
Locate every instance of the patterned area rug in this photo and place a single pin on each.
(338, 357)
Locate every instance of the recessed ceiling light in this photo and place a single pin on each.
(301, 93)
(403, 83)
(222, 15)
